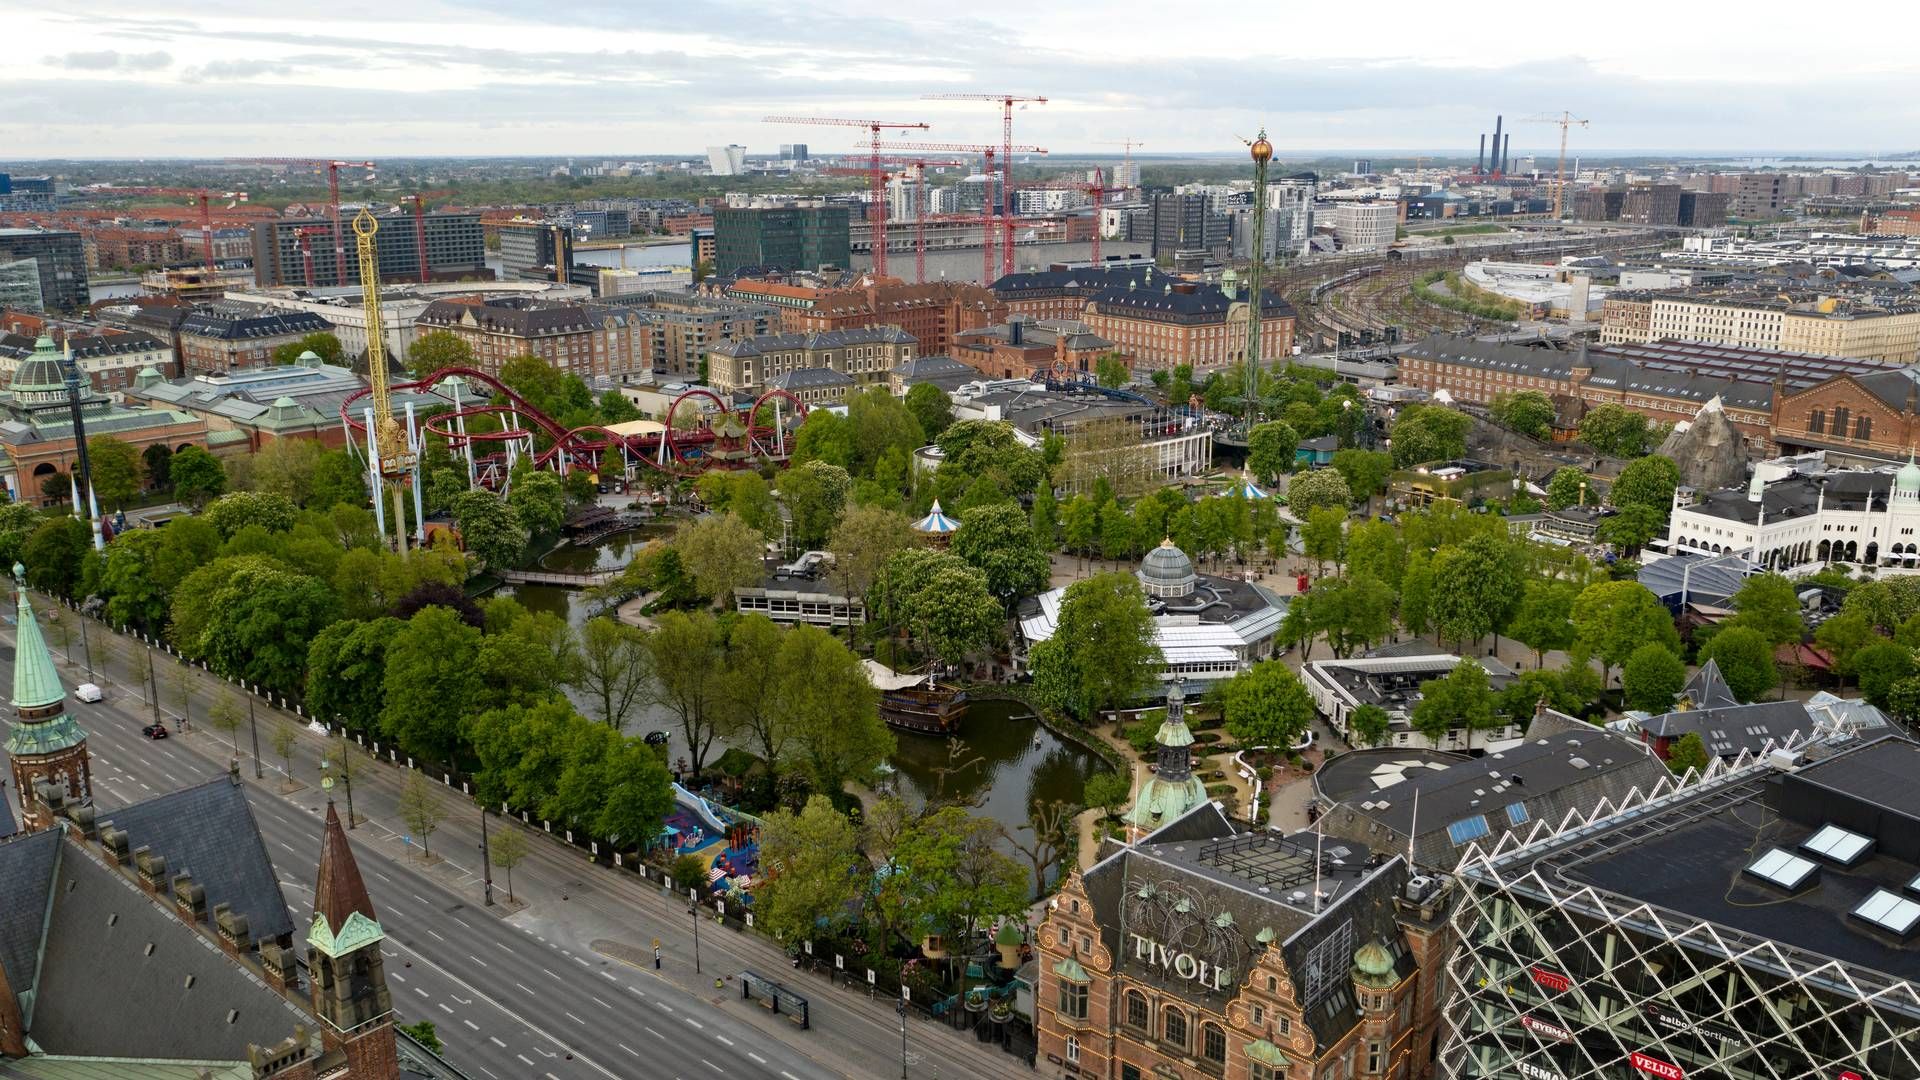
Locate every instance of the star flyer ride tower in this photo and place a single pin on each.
(1262, 152)
(393, 452)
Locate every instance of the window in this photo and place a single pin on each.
(1257, 1071)
(1073, 1000)
(1136, 1009)
(1174, 1027)
(1517, 813)
(1073, 1050)
(1213, 1043)
(1286, 1026)
(1863, 428)
(1840, 421)
(1376, 1055)
(1467, 830)
(1129, 1072)
(1259, 1015)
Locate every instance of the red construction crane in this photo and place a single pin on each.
(877, 182)
(333, 199)
(919, 167)
(419, 200)
(1096, 188)
(1007, 102)
(988, 219)
(205, 197)
(306, 249)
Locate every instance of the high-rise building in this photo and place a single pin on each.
(1293, 197)
(787, 237)
(728, 160)
(1652, 204)
(455, 249)
(530, 245)
(1185, 223)
(20, 285)
(1759, 195)
(1703, 209)
(1756, 923)
(61, 259)
(793, 152)
(1366, 226)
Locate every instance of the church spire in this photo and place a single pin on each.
(340, 894)
(45, 744)
(346, 971)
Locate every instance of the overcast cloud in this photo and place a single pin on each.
(614, 77)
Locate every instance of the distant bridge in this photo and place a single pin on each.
(564, 579)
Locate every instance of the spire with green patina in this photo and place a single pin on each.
(45, 745)
(36, 683)
(1173, 789)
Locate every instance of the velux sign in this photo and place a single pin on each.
(1653, 1066)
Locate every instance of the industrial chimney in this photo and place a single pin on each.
(1495, 163)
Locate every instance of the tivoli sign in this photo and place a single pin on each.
(1183, 964)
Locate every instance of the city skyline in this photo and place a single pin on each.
(219, 78)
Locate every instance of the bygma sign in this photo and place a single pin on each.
(1183, 964)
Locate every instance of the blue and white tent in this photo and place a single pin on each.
(1247, 489)
(936, 523)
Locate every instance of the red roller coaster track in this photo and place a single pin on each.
(681, 452)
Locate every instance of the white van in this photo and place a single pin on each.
(88, 692)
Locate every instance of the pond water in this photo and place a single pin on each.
(999, 761)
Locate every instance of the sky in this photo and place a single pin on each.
(602, 78)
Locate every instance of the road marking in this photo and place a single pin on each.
(416, 896)
(788, 1075)
(525, 1058)
(504, 947)
(490, 1072)
(476, 960)
(712, 1066)
(523, 989)
(575, 1019)
(757, 1059)
(653, 1033)
(382, 876)
(471, 1024)
(421, 992)
(609, 976)
(600, 1003)
(286, 845)
(628, 1049)
(581, 961)
(146, 785)
(496, 1042)
(724, 1039)
(436, 937)
(397, 977)
(637, 990)
(695, 1023)
(664, 1005)
(444, 1008)
(459, 920)
(551, 975)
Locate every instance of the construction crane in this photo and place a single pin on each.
(918, 166)
(391, 457)
(333, 199)
(202, 195)
(1565, 120)
(1006, 102)
(419, 200)
(1127, 160)
(306, 247)
(988, 220)
(1096, 189)
(876, 179)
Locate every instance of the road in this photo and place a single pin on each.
(539, 988)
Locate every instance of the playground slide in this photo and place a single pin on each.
(700, 810)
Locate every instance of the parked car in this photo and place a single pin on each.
(88, 692)
(154, 731)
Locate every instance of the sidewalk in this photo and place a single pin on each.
(564, 898)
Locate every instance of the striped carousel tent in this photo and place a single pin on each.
(1247, 489)
(936, 523)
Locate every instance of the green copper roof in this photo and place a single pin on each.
(1174, 732)
(1266, 1053)
(1069, 969)
(1009, 934)
(358, 931)
(1373, 965)
(35, 682)
(40, 372)
(1161, 801)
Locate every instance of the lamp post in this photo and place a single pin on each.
(253, 725)
(693, 910)
(901, 1008)
(486, 861)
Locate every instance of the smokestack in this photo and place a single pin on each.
(1479, 163)
(1506, 154)
(1495, 163)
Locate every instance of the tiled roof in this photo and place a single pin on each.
(832, 339)
(26, 887)
(208, 831)
(233, 322)
(809, 378)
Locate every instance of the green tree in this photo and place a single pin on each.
(1770, 604)
(1351, 612)
(1745, 657)
(1544, 620)
(1365, 471)
(226, 716)
(818, 852)
(1114, 657)
(1844, 636)
(1416, 593)
(1370, 724)
(1613, 618)
(1321, 489)
(864, 542)
(133, 581)
(1324, 537)
(1460, 700)
(18, 520)
(437, 349)
(815, 494)
(337, 478)
(539, 503)
(1689, 753)
(1528, 412)
(261, 623)
(1476, 588)
(689, 672)
(1111, 370)
(235, 511)
(422, 809)
(1107, 791)
(999, 542)
(1423, 433)
(432, 681)
(118, 471)
(1616, 431)
(1566, 487)
(1631, 526)
(722, 553)
(830, 708)
(156, 464)
(346, 671)
(490, 529)
(614, 669)
(1648, 481)
(422, 1031)
(1266, 705)
(932, 407)
(1652, 678)
(1270, 449)
(749, 695)
(954, 615)
(321, 343)
(975, 449)
(196, 476)
(743, 493)
(286, 739)
(506, 849)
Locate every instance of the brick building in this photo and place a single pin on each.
(1204, 951)
(867, 355)
(227, 336)
(1024, 347)
(933, 313)
(1152, 317)
(1871, 416)
(588, 340)
(1759, 195)
(684, 327)
(1892, 223)
(110, 357)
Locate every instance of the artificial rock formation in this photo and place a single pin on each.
(1710, 452)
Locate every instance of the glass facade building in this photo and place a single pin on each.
(787, 237)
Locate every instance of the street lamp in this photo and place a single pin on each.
(486, 863)
(693, 910)
(254, 726)
(901, 1008)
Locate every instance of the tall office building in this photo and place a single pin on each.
(61, 263)
(793, 151)
(455, 249)
(788, 237)
(20, 285)
(728, 160)
(1186, 223)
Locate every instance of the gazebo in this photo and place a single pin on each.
(936, 524)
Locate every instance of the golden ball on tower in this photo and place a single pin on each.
(1262, 149)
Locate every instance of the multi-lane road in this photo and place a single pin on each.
(562, 986)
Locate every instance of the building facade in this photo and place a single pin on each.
(866, 356)
(786, 237)
(1652, 204)
(60, 260)
(1201, 951)
(1365, 226)
(685, 327)
(1797, 515)
(1828, 325)
(933, 313)
(455, 249)
(1868, 417)
(592, 341)
(109, 357)
(1153, 318)
(232, 337)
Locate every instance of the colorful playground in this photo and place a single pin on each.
(726, 842)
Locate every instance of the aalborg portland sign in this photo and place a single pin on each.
(1183, 964)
